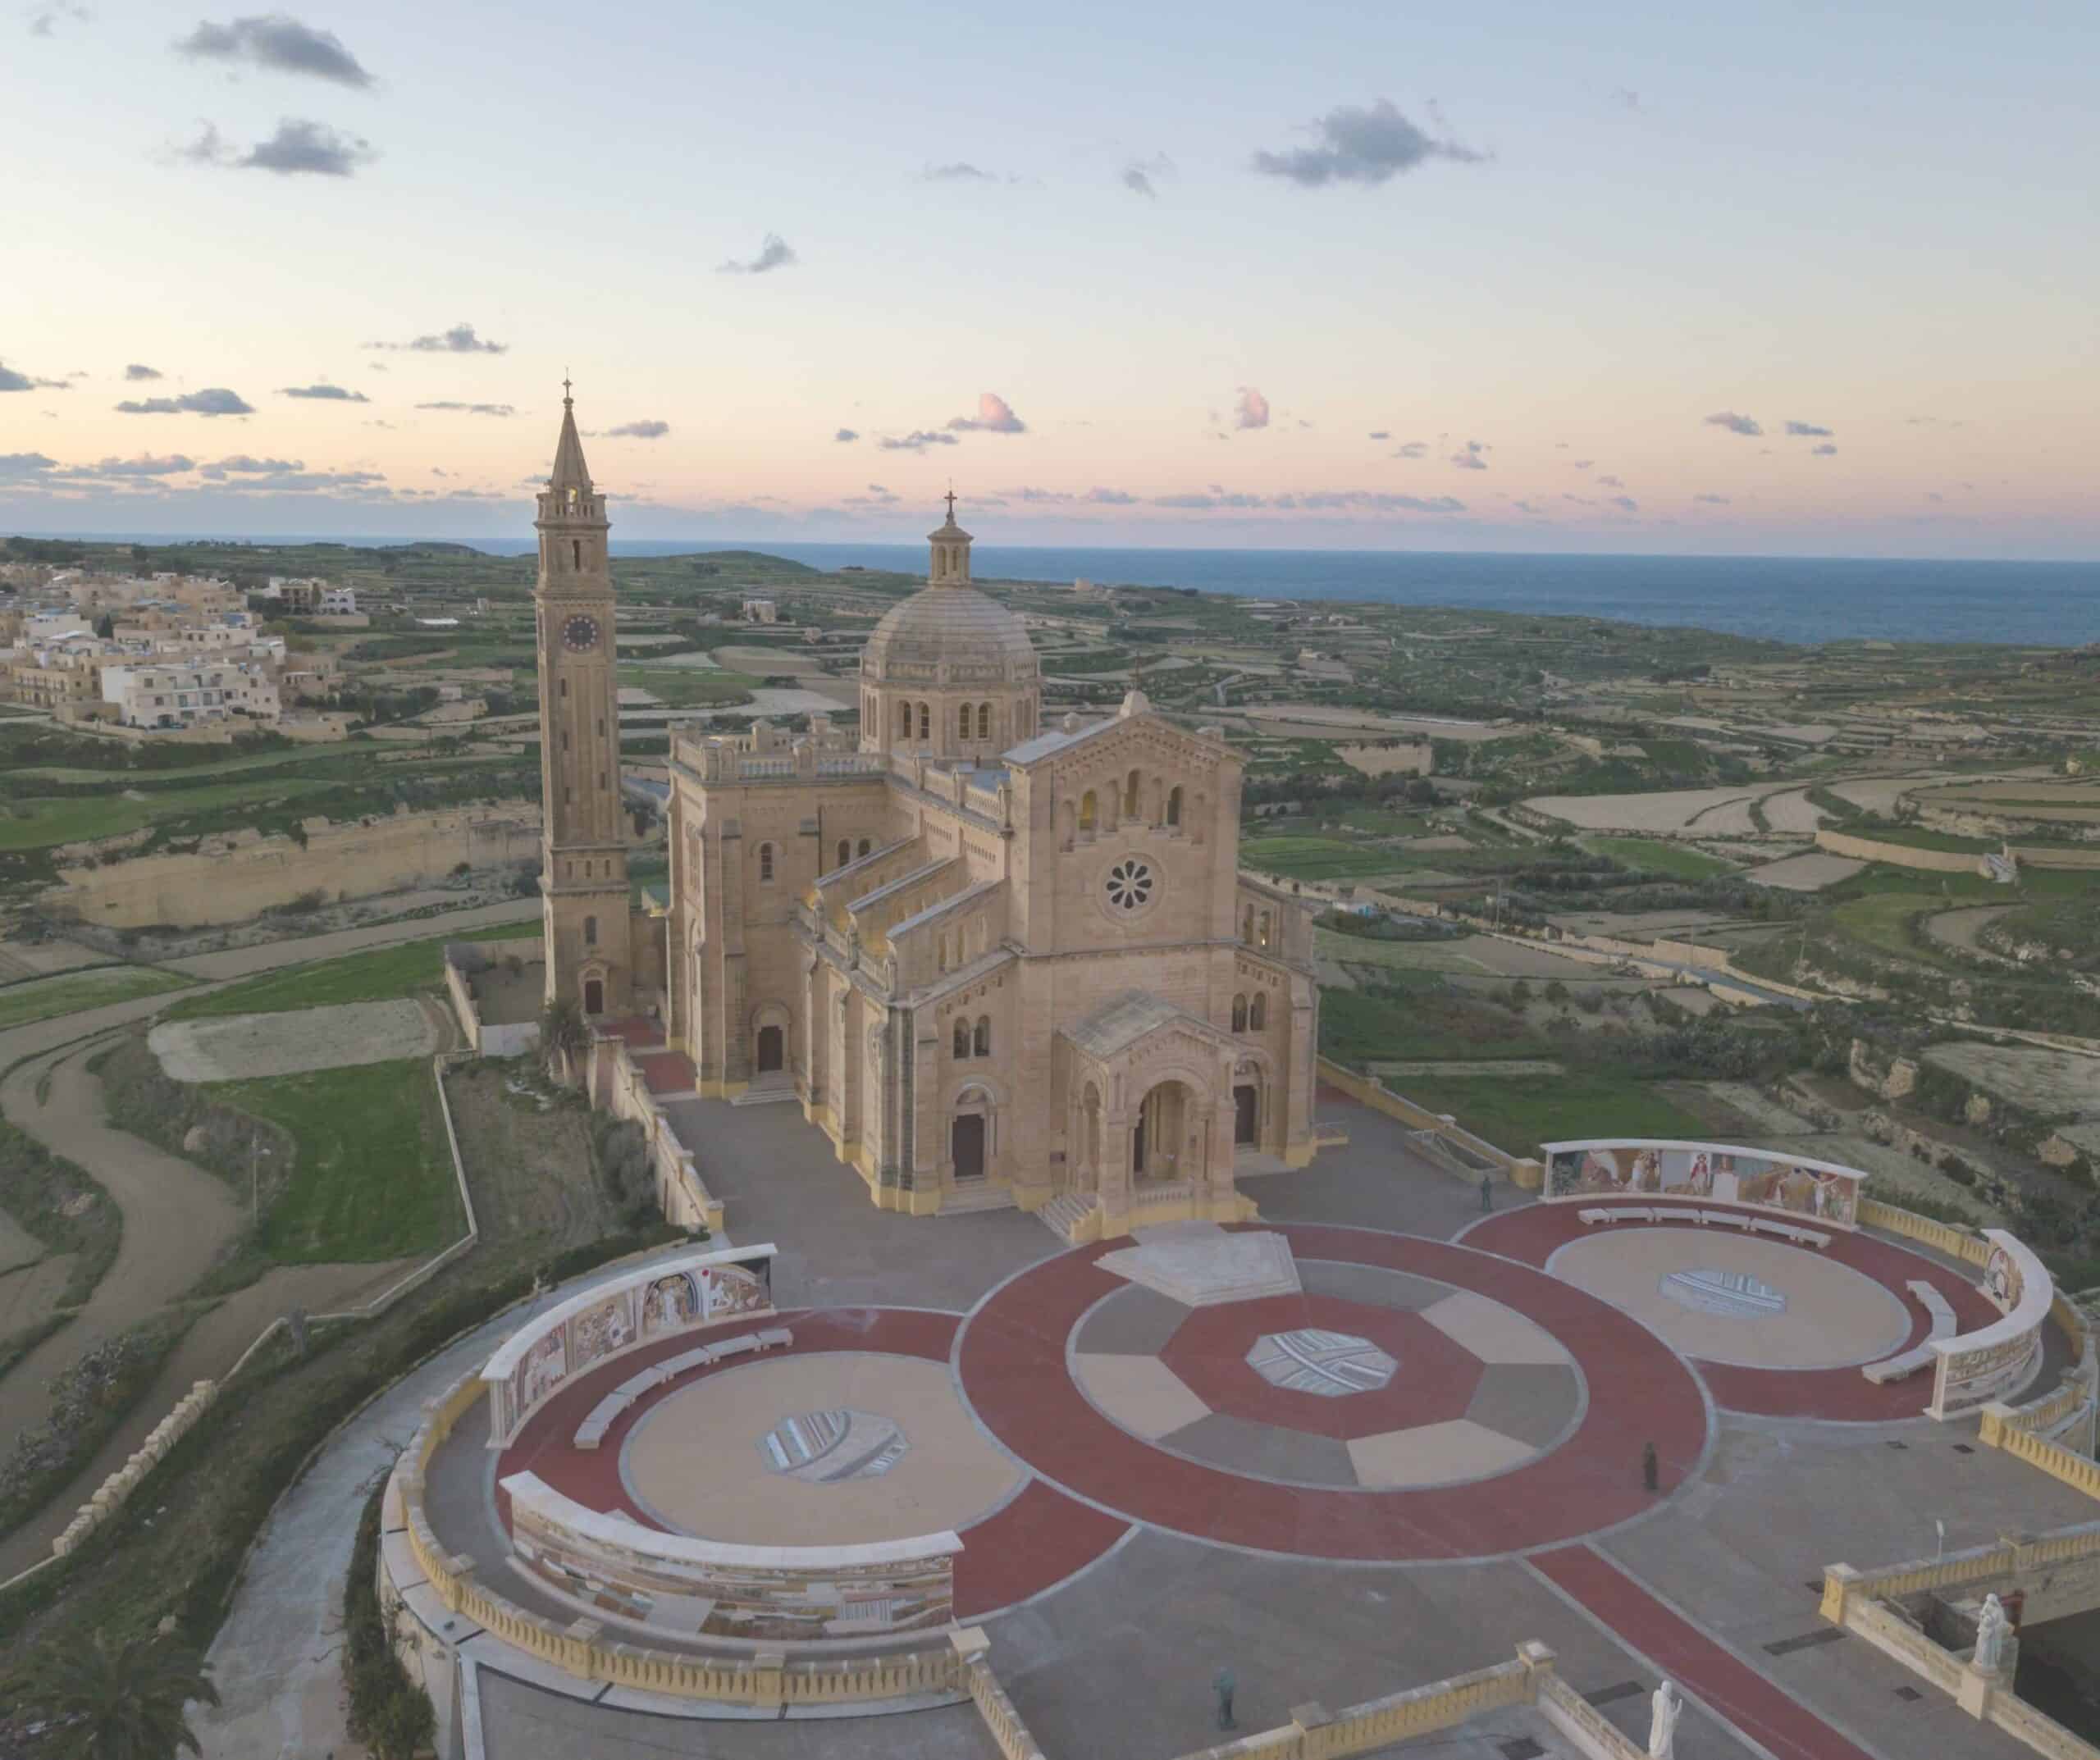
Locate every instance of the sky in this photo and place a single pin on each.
(1768, 280)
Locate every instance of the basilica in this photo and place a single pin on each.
(994, 960)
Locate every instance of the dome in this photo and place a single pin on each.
(948, 634)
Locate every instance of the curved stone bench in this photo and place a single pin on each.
(591, 1432)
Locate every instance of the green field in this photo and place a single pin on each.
(70, 993)
(690, 686)
(1652, 855)
(1519, 1115)
(372, 1178)
(1314, 858)
(373, 977)
(35, 823)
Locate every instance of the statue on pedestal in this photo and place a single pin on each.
(1666, 1708)
(1993, 1629)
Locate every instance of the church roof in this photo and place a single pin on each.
(956, 628)
(570, 471)
(1118, 1023)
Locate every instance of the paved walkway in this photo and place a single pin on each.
(1117, 1660)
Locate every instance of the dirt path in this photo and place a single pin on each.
(176, 1217)
(1959, 929)
(176, 1220)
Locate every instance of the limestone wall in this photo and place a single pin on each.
(231, 879)
(1899, 854)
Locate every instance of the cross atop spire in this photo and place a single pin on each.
(570, 471)
(950, 500)
(566, 399)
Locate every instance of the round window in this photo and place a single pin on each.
(1129, 884)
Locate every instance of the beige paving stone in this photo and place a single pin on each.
(1832, 1315)
(698, 1459)
(1435, 1454)
(1139, 1392)
(1492, 1332)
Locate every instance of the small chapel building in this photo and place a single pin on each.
(993, 961)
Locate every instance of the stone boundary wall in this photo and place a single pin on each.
(236, 877)
(1314, 1732)
(109, 1498)
(620, 1088)
(1899, 854)
(511, 1041)
(1373, 1093)
(1001, 1719)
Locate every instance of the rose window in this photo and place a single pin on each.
(1129, 884)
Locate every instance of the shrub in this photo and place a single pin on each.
(388, 1712)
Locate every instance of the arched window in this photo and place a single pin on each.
(1258, 1012)
(962, 721)
(863, 847)
(904, 721)
(983, 1046)
(1131, 796)
(590, 932)
(845, 851)
(1263, 940)
(961, 1038)
(1247, 926)
(1087, 811)
(1240, 1014)
(765, 862)
(1173, 806)
(925, 721)
(983, 721)
(564, 688)
(576, 552)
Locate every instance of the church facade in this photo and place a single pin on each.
(993, 960)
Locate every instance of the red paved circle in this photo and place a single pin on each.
(1843, 1395)
(1032, 1542)
(1011, 1355)
(1436, 1379)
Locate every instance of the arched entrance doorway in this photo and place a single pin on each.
(1160, 1149)
(1246, 1108)
(593, 996)
(966, 1145)
(772, 1049)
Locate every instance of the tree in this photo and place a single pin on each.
(125, 1702)
(564, 1034)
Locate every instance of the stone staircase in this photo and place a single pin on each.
(1066, 1216)
(767, 1090)
(976, 1194)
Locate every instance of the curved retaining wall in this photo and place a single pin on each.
(773, 1593)
(1820, 1193)
(672, 1297)
(1974, 1368)
(1899, 854)
(763, 1677)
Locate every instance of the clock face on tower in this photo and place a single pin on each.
(580, 635)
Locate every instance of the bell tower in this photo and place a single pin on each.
(583, 847)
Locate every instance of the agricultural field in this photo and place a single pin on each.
(44, 998)
(384, 972)
(1313, 858)
(1654, 856)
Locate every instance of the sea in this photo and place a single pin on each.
(1784, 599)
(1807, 599)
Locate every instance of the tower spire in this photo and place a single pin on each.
(570, 471)
(950, 564)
